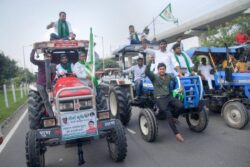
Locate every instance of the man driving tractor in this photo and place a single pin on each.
(139, 72)
(64, 67)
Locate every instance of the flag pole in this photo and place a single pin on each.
(154, 25)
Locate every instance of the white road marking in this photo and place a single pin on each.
(12, 131)
(131, 131)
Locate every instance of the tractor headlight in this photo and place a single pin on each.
(49, 122)
(85, 104)
(66, 106)
(76, 105)
(103, 115)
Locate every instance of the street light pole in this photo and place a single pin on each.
(24, 63)
(98, 36)
(24, 66)
(103, 53)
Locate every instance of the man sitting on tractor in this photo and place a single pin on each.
(241, 65)
(133, 36)
(80, 69)
(232, 62)
(64, 67)
(204, 71)
(183, 61)
(163, 97)
(41, 80)
(139, 73)
(62, 28)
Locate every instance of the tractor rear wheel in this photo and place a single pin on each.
(120, 104)
(36, 110)
(101, 102)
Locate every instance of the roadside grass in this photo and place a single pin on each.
(7, 112)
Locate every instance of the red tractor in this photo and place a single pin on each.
(80, 114)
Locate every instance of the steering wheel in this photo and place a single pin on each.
(67, 75)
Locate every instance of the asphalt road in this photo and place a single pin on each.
(217, 146)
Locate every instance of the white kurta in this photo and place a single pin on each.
(79, 70)
(183, 64)
(205, 71)
(163, 57)
(61, 71)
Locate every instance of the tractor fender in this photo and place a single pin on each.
(33, 87)
(229, 101)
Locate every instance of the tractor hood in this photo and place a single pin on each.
(70, 82)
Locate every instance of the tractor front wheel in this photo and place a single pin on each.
(34, 150)
(117, 142)
(197, 121)
(148, 125)
(235, 114)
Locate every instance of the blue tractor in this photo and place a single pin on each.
(231, 89)
(192, 97)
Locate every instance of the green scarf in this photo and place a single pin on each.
(178, 95)
(186, 60)
(82, 62)
(67, 67)
(63, 29)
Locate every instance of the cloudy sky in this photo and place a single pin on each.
(23, 22)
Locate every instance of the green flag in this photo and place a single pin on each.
(167, 15)
(90, 62)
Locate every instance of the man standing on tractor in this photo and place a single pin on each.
(182, 63)
(162, 56)
(62, 28)
(79, 69)
(41, 80)
(64, 67)
(139, 73)
(163, 97)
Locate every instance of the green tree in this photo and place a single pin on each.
(10, 72)
(225, 33)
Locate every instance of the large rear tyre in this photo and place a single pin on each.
(235, 114)
(148, 125)
(120, 104)
(36, 110)
(34, 150)
(101, 102)
(197, 121)
(117, 142)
